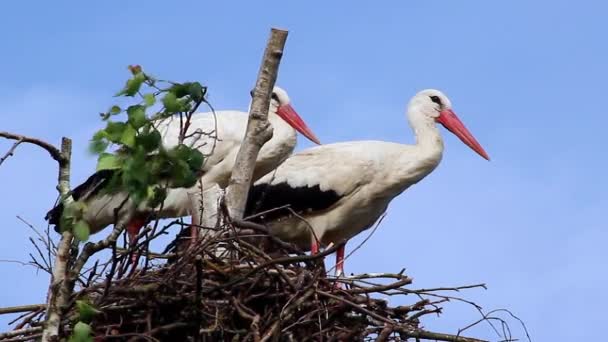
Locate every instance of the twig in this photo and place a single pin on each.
(357, 307)
(92, 248)
(422, 334)
(11, 151)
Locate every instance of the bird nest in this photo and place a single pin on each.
(226, 287)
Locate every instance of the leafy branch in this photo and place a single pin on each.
(131, 145)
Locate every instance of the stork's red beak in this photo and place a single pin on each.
(287, 113)
(450, 121)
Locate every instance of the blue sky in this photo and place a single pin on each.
(527, 78)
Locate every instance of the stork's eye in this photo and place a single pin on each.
(436, 99)
(274, 97)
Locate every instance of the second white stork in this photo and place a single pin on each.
(335, 191)
(217, 136)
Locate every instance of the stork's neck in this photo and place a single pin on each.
(428, 138)
(281, 130)
(426, 154)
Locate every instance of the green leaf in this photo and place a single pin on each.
(136, 175)
(170, 103)
(133, 85)
(180, 151)
(74, 210)
(135, 171)
(115, 110)
(86, 311)
(66, 223)
(81, 333)
(159, 164)
(81, 230)
(114, 131)
(179, 90)
(156, 195)
(101, 134)
(137, 116)
(149, 141)
(128, 136)
(182, 176)
(195, 159)
(184, 104)
(196, 91)
(107, 161)
(99, 142)
(149, 99)
(97, 146)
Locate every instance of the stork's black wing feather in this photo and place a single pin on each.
(91, 187)
(264, 197)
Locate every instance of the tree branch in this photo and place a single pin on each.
(59, 289)
(259, 130)
(52, 150)
(92, 248)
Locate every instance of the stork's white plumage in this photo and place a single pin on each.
(338, 190)
(217, 136)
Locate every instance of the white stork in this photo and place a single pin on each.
(229, 127)
(338, 190)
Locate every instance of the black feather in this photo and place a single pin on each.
(264, 197)
(91, 187)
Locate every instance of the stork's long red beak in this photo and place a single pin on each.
(287, 113)
(450, 121)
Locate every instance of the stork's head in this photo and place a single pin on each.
(430, 105)
(281, 106)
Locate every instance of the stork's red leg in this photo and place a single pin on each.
(339, 266)
(194, 227)
(340, 261)
(193, 236)
(193, 233)
(314, 245)
(133, 229)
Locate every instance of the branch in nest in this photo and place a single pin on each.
(22, 308)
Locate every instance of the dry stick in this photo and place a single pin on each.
(19, 332)
(428, 335)
(45, 239)
(283, 260)
(59, 289)
(358, 308)
(11, 151)
(259, 130)
(92, 248)
(22, 308)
